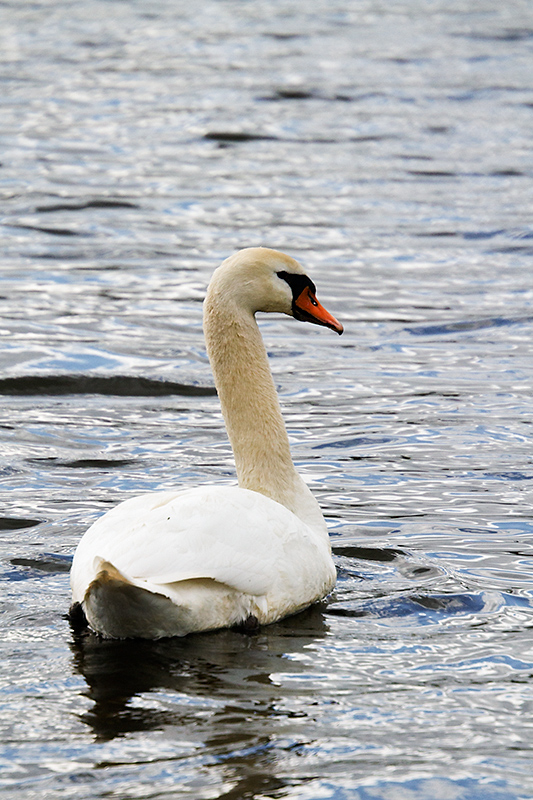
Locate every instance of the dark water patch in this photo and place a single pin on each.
(363, 96)
(424, 606)
(433, 173)
(475, 235)
(79, 255)
(230, 136)
(293, 94)
(357, 441)
(368, 553)
(466, 325)
(113, 720)
(17, 523)
(304, 94)
(523, 234)
(468, 235)
(50, 231)
(522, 249)
(402, 61)
(464, 97)
(7, 471)
(86, 204)
(116, 385)
(507, 173)
(98, 463)
(48, 562)
(285, 36)
(224, 138)
(450, 603)
(507, 35)
(521, 553)
(438, 233)
(420, 572)
(84, 463)
(507, 476)
(378, 137)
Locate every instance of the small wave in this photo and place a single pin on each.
(293, 94)
(50, 231)
(236, 136)
(427, 608)
(117, 385)
(304, 94)
(368, 553)
(466, 325)
(506, 35)
(48, 562)
(358, 441)
(86, 204)
(17, 523)
(524, 250)
(229, 137)
(84, 463)
(433, 173)
(507, 173)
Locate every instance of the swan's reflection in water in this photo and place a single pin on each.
(217, 690)
(213, 698)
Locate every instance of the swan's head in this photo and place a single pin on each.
(259, 279)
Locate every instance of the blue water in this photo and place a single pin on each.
(387, 147)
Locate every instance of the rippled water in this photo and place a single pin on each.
(388, 147)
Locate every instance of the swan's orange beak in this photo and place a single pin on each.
(310, 310)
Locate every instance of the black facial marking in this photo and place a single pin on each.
(297, 283)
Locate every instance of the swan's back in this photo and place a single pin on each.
(169, 563)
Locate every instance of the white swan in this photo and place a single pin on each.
(169, 563)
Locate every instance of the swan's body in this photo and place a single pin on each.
(169, 563)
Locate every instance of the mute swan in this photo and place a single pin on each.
(170, 563)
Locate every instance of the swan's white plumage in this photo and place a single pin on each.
(168, 563)
(231, 535)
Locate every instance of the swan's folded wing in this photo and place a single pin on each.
(231, 535)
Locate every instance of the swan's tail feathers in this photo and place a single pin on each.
(117, 608)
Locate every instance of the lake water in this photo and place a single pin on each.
(388, 147)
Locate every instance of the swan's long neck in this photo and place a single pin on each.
(251, 408)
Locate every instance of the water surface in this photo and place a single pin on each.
(388, 148)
